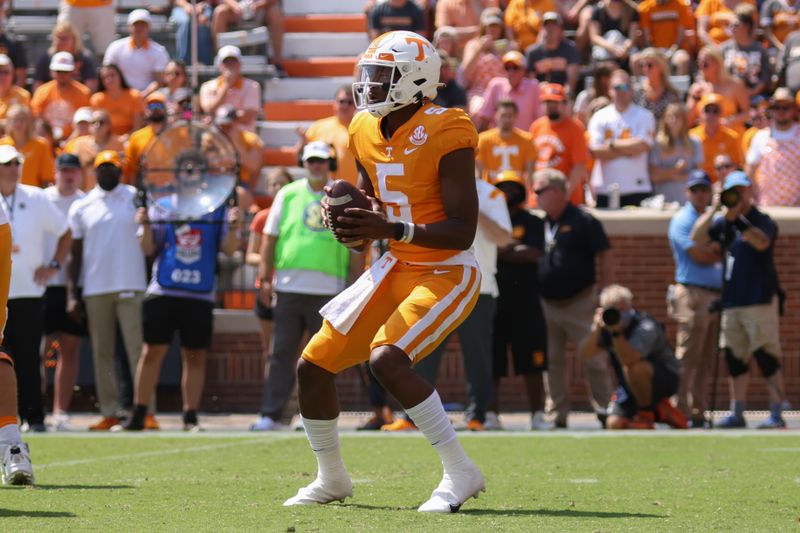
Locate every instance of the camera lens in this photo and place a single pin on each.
(729, 198)
(611, 316)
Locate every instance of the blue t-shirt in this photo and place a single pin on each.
(686, 269)
(751, 278)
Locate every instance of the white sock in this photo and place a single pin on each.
(323, 435)
(430, 418)
(9, 434)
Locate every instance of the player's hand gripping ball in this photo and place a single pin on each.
(342, 195)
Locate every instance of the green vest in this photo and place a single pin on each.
(303, 242)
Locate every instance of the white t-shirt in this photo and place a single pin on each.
(137, 64)
(762, 136)
(113, 260)
(32, 217)
(296, 280)
(631, 173)
(492, 204)
(63, 204)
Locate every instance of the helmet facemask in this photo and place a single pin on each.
(379, 88)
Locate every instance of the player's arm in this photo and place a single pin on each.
(460, 199)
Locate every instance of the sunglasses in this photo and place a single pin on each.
(712, 110)
(723, 166)
(11, 163)
(99, 122)
(511, 68)
(345, 101)
(699, 188)
(542, 190)
(622, 87)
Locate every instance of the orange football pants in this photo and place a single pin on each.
(415, 308)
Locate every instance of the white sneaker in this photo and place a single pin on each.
(455, 488)
(323, 491)
(297, 423)
(265, 423)
(539, 422)
(60, 422)
(17, 467)
(492, 422)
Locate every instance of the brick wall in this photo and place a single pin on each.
(643, 263)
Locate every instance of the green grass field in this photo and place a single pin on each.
(574, 482)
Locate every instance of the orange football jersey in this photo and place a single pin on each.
(404, 171)
(496, 154)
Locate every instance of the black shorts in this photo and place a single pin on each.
(262, 311)
(55, 314)
(522, 327)
(162, 316)
(664, 385)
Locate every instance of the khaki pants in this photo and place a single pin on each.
(98, 22)
(103, 312)
(746, 329)
(696, 344)
(571, 319)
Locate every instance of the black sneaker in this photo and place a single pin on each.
(134, 424)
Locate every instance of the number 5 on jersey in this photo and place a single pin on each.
(399, 209)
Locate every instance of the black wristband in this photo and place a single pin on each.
(399, 228)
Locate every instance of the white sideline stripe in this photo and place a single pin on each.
(140, 455)
(795, 450)
(587, 481)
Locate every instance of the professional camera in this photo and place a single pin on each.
(611, 316)
(730, 198)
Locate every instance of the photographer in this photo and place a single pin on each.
(750, 324)
(647, 371)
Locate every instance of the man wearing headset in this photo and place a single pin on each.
(302, 267)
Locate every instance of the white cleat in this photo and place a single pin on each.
(454, 489)
(539, 422)
(17, 468)
(323, 491)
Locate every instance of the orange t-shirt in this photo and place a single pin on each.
(137, 143)
(524, 17)
(39, 166)
(333, 132)
(17, 95)
(726, 141)
(57, 105)
(663, 19)
(122, 111)
(784, 21)
(720, 18)
(497, 154)
(561, 145)
(404, 171)
(89, 3)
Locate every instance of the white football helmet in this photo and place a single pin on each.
(398, 69)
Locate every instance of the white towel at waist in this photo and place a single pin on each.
(343, 311)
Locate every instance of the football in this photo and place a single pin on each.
(343, 195)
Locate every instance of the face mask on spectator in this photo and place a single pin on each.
(107, 177)
(553, 115)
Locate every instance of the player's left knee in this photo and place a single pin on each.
(386, 361)
(767, 362)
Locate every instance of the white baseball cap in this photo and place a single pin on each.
(83, 114)
(62, 62)
(139, 15)
(229, 51)
(9, 153)
(316, 149)
(5, 61)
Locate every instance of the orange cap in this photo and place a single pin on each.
(710, 99)
(552, 92)
(108, 156)
(514, 57)
(156, 96)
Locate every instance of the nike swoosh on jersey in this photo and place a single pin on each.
(410, 150)
(438, 272)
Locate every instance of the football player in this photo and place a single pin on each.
(17, 468)
(416, 162)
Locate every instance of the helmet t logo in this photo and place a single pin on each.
(420, 46)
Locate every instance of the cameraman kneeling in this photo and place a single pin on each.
(646, 368)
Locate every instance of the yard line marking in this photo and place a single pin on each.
(140, 455)
(587, 481)
(795, 450)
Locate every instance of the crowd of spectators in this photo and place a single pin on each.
(625, 101)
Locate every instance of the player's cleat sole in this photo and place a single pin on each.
(322, 492)
(401, 424)
(17, 468)
(454, 490)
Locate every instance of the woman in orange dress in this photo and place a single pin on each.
(124, 105)
(715, 18)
